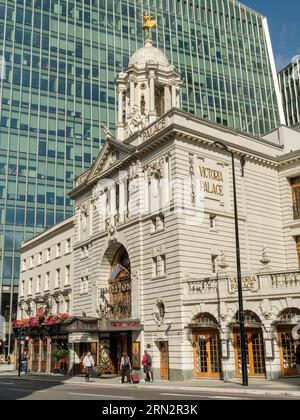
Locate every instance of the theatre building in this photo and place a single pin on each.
(152, 257)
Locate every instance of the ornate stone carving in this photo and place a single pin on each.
(155, 168)
(112, 232)
(137, 122)
(265, 261)
(135, 169)
(223, 263)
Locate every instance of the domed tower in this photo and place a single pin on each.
(147, 89)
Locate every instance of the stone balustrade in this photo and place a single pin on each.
(272, 283)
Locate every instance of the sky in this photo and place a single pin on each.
(284, 24)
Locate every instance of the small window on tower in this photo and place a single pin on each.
(143, 104)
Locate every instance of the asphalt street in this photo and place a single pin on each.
(12, 388)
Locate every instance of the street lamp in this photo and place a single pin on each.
(241, 317)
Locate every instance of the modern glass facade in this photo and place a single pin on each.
(58, 87)
(289, 79)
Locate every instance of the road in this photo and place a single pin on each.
(13, 388)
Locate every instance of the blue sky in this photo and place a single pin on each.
(284, 23)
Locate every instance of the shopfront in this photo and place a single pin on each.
(106, 339)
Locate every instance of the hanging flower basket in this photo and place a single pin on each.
(36, 322)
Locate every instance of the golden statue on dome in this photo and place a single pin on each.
(148, 22)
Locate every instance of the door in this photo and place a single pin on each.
(287, 354)
(35, 356)
(207, 355)
(84, 348)
(44, 356)
(164, 360)
(255, 353)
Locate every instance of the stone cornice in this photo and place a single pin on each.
(47, 234)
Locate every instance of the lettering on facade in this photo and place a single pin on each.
(125, 325)
(213, 181)
(154, 129)
(82, 326)
(116, 288)
(248, 282)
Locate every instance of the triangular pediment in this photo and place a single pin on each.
(111, 153)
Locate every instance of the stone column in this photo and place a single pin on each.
(174, 102)
(113, 202)
(40, 355)
(49, 352)
(132, 95)
(120, 106)
(273, 365)
(177, 97)
(168, 98)
(152, 111)
(122, 200)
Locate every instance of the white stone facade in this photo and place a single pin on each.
(162, 198)
(46, 277)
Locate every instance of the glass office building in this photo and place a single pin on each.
(58, 62)
(289, 79)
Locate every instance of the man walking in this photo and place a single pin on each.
(88, 364)
(125, 368)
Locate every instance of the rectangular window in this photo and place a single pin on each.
(68, 246)
(295, 184)
(30, 286)
(84, 286)
(31, 261)
(67, 275)
(38, 283)
(163, 264)
(57, 277)
(155, 266)
(212, 221)
(22, 291)
(158, 223)
(24, 264)
(84, 251)
(48, 254)
(214, 263)
(40, 258)
(58, 250)
(47, 281)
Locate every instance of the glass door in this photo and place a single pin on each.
(207, 355)
(255, 353)
(287, 354)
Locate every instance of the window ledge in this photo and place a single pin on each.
(159, 277)
(155, 232)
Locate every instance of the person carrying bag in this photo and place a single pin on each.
(88, 364)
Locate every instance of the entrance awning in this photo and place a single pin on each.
(88, 325)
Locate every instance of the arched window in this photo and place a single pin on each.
(289, 315)
(205, 320)
(250, 318)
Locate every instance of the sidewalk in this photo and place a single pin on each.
(6, 368)
(289, 387)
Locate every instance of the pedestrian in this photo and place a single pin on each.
(24, 362)
(297, 354)
(125, 368)
(8, 360)
(88, 364)
(147, 366)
